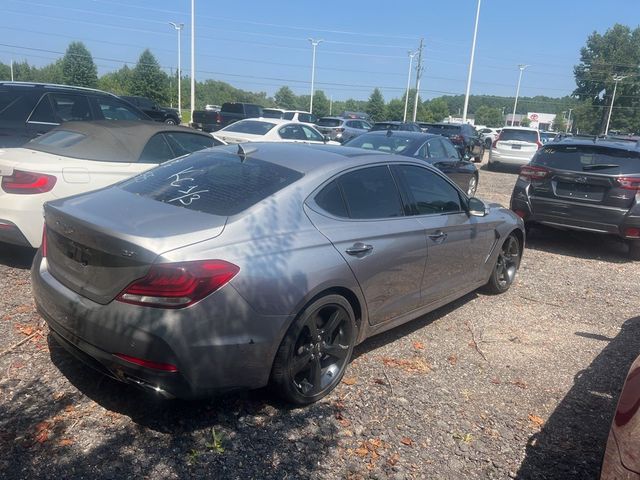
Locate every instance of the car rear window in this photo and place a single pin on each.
(214, 183)
(252, 127)
(383, 143)
(269, 113)
(444, 129)
(595, 158)
(519, 135)
(58, 138)
(329, 122)
(232, 108)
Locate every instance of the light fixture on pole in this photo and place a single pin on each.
(406, 98)
(522, 66)
(616, 79)
(193, 58)
(314, 44)
(473, 52)
(179, 27)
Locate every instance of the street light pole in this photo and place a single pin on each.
(179, 27)
(314, 44)
(515, 103)
(566, 127)
(616, 79)
(193, 58)
(473, 51)
(406, 98)
(12, 69)
(419, 69)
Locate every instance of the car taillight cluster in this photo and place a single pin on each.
(531, 172)
(629, 183)
(44, 241)
(495, 142)
(25, 183)
(340, 130)
(539, 143)
(178, 285)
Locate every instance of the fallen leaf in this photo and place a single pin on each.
(344, 422)
(23, 309)
(393, 459)
(26, 329)
(69, 408)
(519, 383)
(65, 442)
(453, 359)
(379, 381)
(349, 380)
(362, 450)
(414, 365)
(406, 441)
(58, 395)
(42, 432)
(536, 420)
(496, 381)
(418, 345)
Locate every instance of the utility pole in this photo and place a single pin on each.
(419, 70)
(12, 69)
(473, 51)
(178, 27)
(193, 58)
(406, 98)
(314, 45)
(566, 127)
(330, 104)
(616, 79)
(522, 66)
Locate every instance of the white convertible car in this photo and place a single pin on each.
(78, 157)
(270, 130)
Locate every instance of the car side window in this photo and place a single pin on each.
(428, 191)
(436, 150)
(311, 134)
(330, 199)
(371, 193)
(69, 107)
(292, 132)
(304, 117)
(450, 150)
(113, 109)
(184, 143)
(157, 150)
(43, 113)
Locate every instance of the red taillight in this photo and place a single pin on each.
(28, 182)
(165, 367)
(629, 183)
(520, 213)
(495, 142)
(530, 172)
(632, 232)
(539, 143)
(178, 285)
(44, 241)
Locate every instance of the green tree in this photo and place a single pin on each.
(77, 66)
(376, 107)
(320, 104)
(148, 80)
(491, 117)
(285, 98)
(51, 73)
(395, 109)
(616, 52)
(559, 123)
(439, 109)
(525, 121)
(118, 82)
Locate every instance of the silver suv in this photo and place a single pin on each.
(342, 129)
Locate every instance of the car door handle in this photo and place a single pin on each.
(439, 236)
(359, 248)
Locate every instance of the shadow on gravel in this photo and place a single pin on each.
(16, 257)
(587, 245)
(572, 442)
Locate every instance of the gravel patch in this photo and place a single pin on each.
(521, 385)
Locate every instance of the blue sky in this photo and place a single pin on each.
(261, 45)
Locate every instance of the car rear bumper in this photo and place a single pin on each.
(21, 219)
(218, 344)
(497, 156)
(10, 233)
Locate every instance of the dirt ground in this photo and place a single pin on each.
(522, 385)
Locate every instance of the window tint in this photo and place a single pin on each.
(520, 135)
(329, 122)
(330, 199)
(183, 143)
(232, 108)
(444, 129)
(43, 112)
(218, 184)
(383, 143)
(431, 193)
(306, 118)
(16, 105)
(272, 113)
(253, 127)
(288, 115)
(156, 150)
(113, 109)
(58, 138)
(69, 107)
(449, 149)
(145, 103)
(312, 134)
(253, 111)
(593, 158)
(436, 150)
(292, 132)
(371, 193)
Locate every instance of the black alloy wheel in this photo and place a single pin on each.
(506, 267)
(315, 351)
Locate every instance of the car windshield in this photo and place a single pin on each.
(329, 122)
(253, 127)
(530, 136)
(444, 129)
(217, 184)
(383, 143)
(589, 158)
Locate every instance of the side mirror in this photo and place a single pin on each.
(326, 138)
(476, 207)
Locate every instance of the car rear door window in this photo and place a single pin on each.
(113, 109)
(70, 107)
(428, 192)
(311, 134)
(43, 113)
(330, 200)
(183, 143)
(449, 149)
(371, 193)
(157, 150)
(16, 105)
(215, 183)
(436, 150)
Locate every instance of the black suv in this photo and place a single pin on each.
(465, 138)
(404, 126)
(28, 110)
(170, 116)
(583, 184)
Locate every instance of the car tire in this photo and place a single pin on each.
(506, 266)
(170, 121)
(472, 187)
(634, 249)
(315, 351)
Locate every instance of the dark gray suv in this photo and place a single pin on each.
(583, 184)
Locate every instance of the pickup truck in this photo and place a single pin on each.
(170, 116)
(211, 121)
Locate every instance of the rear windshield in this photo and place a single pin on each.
(232, 108)
(253, 127)
(288, 115)
(444, 129)
(382, 143)
(385, 126)
(214, 183)
(530, 136)
(594, 158)
(268, 113)
(329, 122)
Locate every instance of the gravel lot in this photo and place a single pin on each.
(522, 385)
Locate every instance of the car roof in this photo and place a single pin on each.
(339, 118)
(52, 86)
(275, 121)
(526, 129)
(105, 139)
(401, 133)
(617, 143)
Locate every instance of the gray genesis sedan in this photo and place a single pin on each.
(264, 263)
